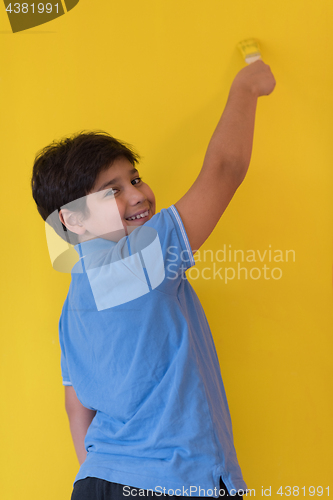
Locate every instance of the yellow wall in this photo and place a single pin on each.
(157, 74)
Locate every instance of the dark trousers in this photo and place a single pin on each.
(92, 488)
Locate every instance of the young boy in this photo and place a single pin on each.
(143, 390)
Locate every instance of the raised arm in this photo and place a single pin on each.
(228, 155)
(79, 418)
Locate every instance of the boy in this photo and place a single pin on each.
(143, 390)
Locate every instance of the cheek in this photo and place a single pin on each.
(120, 208)
(150, 195)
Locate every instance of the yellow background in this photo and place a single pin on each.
(157, 74)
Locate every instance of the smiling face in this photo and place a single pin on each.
(118, 195)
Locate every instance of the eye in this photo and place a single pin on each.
(112, 191)
(139, 179)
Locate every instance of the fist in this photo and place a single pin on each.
(256, 77)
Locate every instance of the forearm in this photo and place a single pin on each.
(230, 147)
(79, 424)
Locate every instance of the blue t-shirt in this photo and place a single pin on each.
(137, 348)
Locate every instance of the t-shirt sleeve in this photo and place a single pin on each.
(182, 253)
(176, 248)
(63, 362)
(165, 248)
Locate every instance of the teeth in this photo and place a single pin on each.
(140, 216)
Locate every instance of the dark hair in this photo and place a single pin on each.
(66, 170)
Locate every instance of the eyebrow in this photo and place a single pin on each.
(116, 179)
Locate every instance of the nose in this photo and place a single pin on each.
(135, 196)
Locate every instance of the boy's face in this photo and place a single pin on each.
(117, 195)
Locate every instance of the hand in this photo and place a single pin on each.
(256, 78)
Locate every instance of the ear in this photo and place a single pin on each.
(72, 221)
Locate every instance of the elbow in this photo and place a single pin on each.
(241, 176)
(235, 172)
